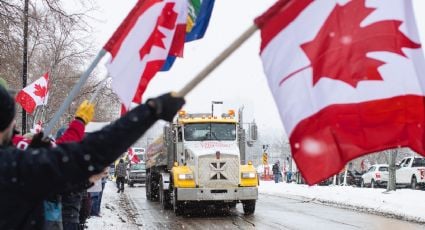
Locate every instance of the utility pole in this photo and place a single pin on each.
(25, 63)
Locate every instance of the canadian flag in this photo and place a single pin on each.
(141, 44)
(132, 156)
(35, 94)
(347, 77)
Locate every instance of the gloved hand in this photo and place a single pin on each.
(166, 106)
(38, 142)
(85, 112)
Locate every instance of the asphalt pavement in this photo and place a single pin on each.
(272, 212)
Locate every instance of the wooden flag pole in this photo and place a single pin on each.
(217, 61)
(73, 93)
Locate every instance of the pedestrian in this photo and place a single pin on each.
(85, 210)
(28, 176)
(94, 192)
(53, 204)
(276, 172)
(120, 174)
(103, 180)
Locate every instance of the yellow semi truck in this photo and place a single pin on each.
(197, 161)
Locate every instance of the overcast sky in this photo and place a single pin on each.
(239, 80)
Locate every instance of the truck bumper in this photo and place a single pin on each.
(217, 194)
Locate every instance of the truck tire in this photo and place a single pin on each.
(131, 184)
(248, 206)
(413, 183)
(148, 187)
(164, 196)
(151, 188)
(362, 183)
(177, 205)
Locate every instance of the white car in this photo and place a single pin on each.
(376, 176)
(411, 172)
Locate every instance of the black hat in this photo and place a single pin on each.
(7, 109)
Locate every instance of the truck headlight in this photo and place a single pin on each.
(248, 175)
(186, 176)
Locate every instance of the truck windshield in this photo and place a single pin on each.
(210, 131)
(138, 167)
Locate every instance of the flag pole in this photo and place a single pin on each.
(73, 93)
(217, 61)
(96, 93)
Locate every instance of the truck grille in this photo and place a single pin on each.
(222, 173)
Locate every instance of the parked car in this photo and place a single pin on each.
(354, 178)
(376, 176)
(136, 174)
(411, 172)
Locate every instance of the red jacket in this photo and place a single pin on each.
(74, 133)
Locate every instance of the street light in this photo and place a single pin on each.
(212, 106)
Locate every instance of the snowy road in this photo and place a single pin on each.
(272, 212)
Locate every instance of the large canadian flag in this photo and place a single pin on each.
(35, 94)
(142, 43)
(348, 78)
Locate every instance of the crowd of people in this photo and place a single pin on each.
(57, 183)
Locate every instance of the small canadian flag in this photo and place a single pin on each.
(35, 94)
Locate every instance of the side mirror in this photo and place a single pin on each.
(254, 132)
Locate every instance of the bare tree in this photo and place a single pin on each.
(59, 42)
(392, 169)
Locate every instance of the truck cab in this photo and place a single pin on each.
(206, 165)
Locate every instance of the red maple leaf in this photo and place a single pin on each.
(167, 19)
(339, 49)
(40, 91)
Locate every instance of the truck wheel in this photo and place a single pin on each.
(232, 205)
(164, 196)
(177, 205)
(148, 188)
(362, 183)
(413, 183)
(248, 206)
(131, 184)
(155, 190)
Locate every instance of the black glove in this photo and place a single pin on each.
(166, 106)
(38, 142)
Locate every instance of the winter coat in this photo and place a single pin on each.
(28, 176)
(276, 169)
(121, 170)
(71, 201)
(74, 132)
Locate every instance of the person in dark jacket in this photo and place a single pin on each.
(28, 176)
(75, 132)
(276, 172)
(121, 173)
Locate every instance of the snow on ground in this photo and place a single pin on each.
(402, 204)
(114, 211)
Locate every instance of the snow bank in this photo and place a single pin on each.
(404, 203)
(113, 212)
